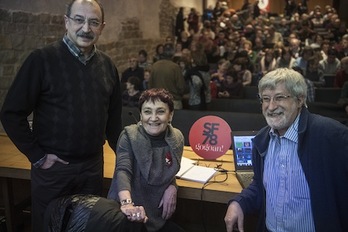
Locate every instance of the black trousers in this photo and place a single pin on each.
(63, 180)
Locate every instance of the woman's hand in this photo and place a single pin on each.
(168, 202)
(134, 213)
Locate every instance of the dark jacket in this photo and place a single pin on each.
(87, 213)
(323, 153)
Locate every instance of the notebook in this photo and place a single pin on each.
(189, 170)
(242, 152)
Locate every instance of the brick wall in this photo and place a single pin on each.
(22, 32)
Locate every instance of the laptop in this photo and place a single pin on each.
(242, 153)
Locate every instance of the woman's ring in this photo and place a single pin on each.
(133, 215)
(138, 215)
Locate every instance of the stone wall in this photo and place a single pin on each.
(21, 32)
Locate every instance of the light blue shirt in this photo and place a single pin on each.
(288, 203)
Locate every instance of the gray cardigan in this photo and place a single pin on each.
(146, 170)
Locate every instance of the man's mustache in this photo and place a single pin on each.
(85, 35)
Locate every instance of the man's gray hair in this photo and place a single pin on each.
(293, 81)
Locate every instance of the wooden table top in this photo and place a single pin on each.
(13, 164)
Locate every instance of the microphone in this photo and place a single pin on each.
(130, 113)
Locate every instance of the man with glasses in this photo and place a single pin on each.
(73, 91)
(300, 164)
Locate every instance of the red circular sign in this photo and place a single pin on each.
(210, 137)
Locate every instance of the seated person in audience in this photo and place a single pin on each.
(313, 73)
(239, 66)
(305, 31)
(231, 87)
(299, 163)
(147, 76)
(295, 46)
(342, 75)
(310, 86)
(331, 64)
(130, 96)
(268, 61)
(159, 55)
(301, 61)
(178, 50)
(133, 70)
(325, 46)
(218, 76)
(142, 59)
(342, 49)
(317, 20)
(343, 101)
(148, 158)
(198, 80)
(286, 60)
(252, 55)
(272, 36)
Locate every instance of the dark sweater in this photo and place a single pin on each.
(322, 151)
(74, 105)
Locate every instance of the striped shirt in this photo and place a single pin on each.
(288, 203)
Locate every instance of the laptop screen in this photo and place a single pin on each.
(242, 149)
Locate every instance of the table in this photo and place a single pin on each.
(14, 165)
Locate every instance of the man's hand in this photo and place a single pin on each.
(234, 215)
(168, 202)
(50, 160)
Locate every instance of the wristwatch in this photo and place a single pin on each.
(126, 202)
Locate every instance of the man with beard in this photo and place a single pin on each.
(300, 164)
(73, 91)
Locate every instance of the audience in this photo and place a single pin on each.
(268, 41)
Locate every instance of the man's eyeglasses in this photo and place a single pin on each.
(95, 23)
(277, 98)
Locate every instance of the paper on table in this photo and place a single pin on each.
(185, 165)
(190, 171)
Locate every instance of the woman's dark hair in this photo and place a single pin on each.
(142, 52)
(158, 47)
(157, 95)
(69, 5)
(134, 81)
